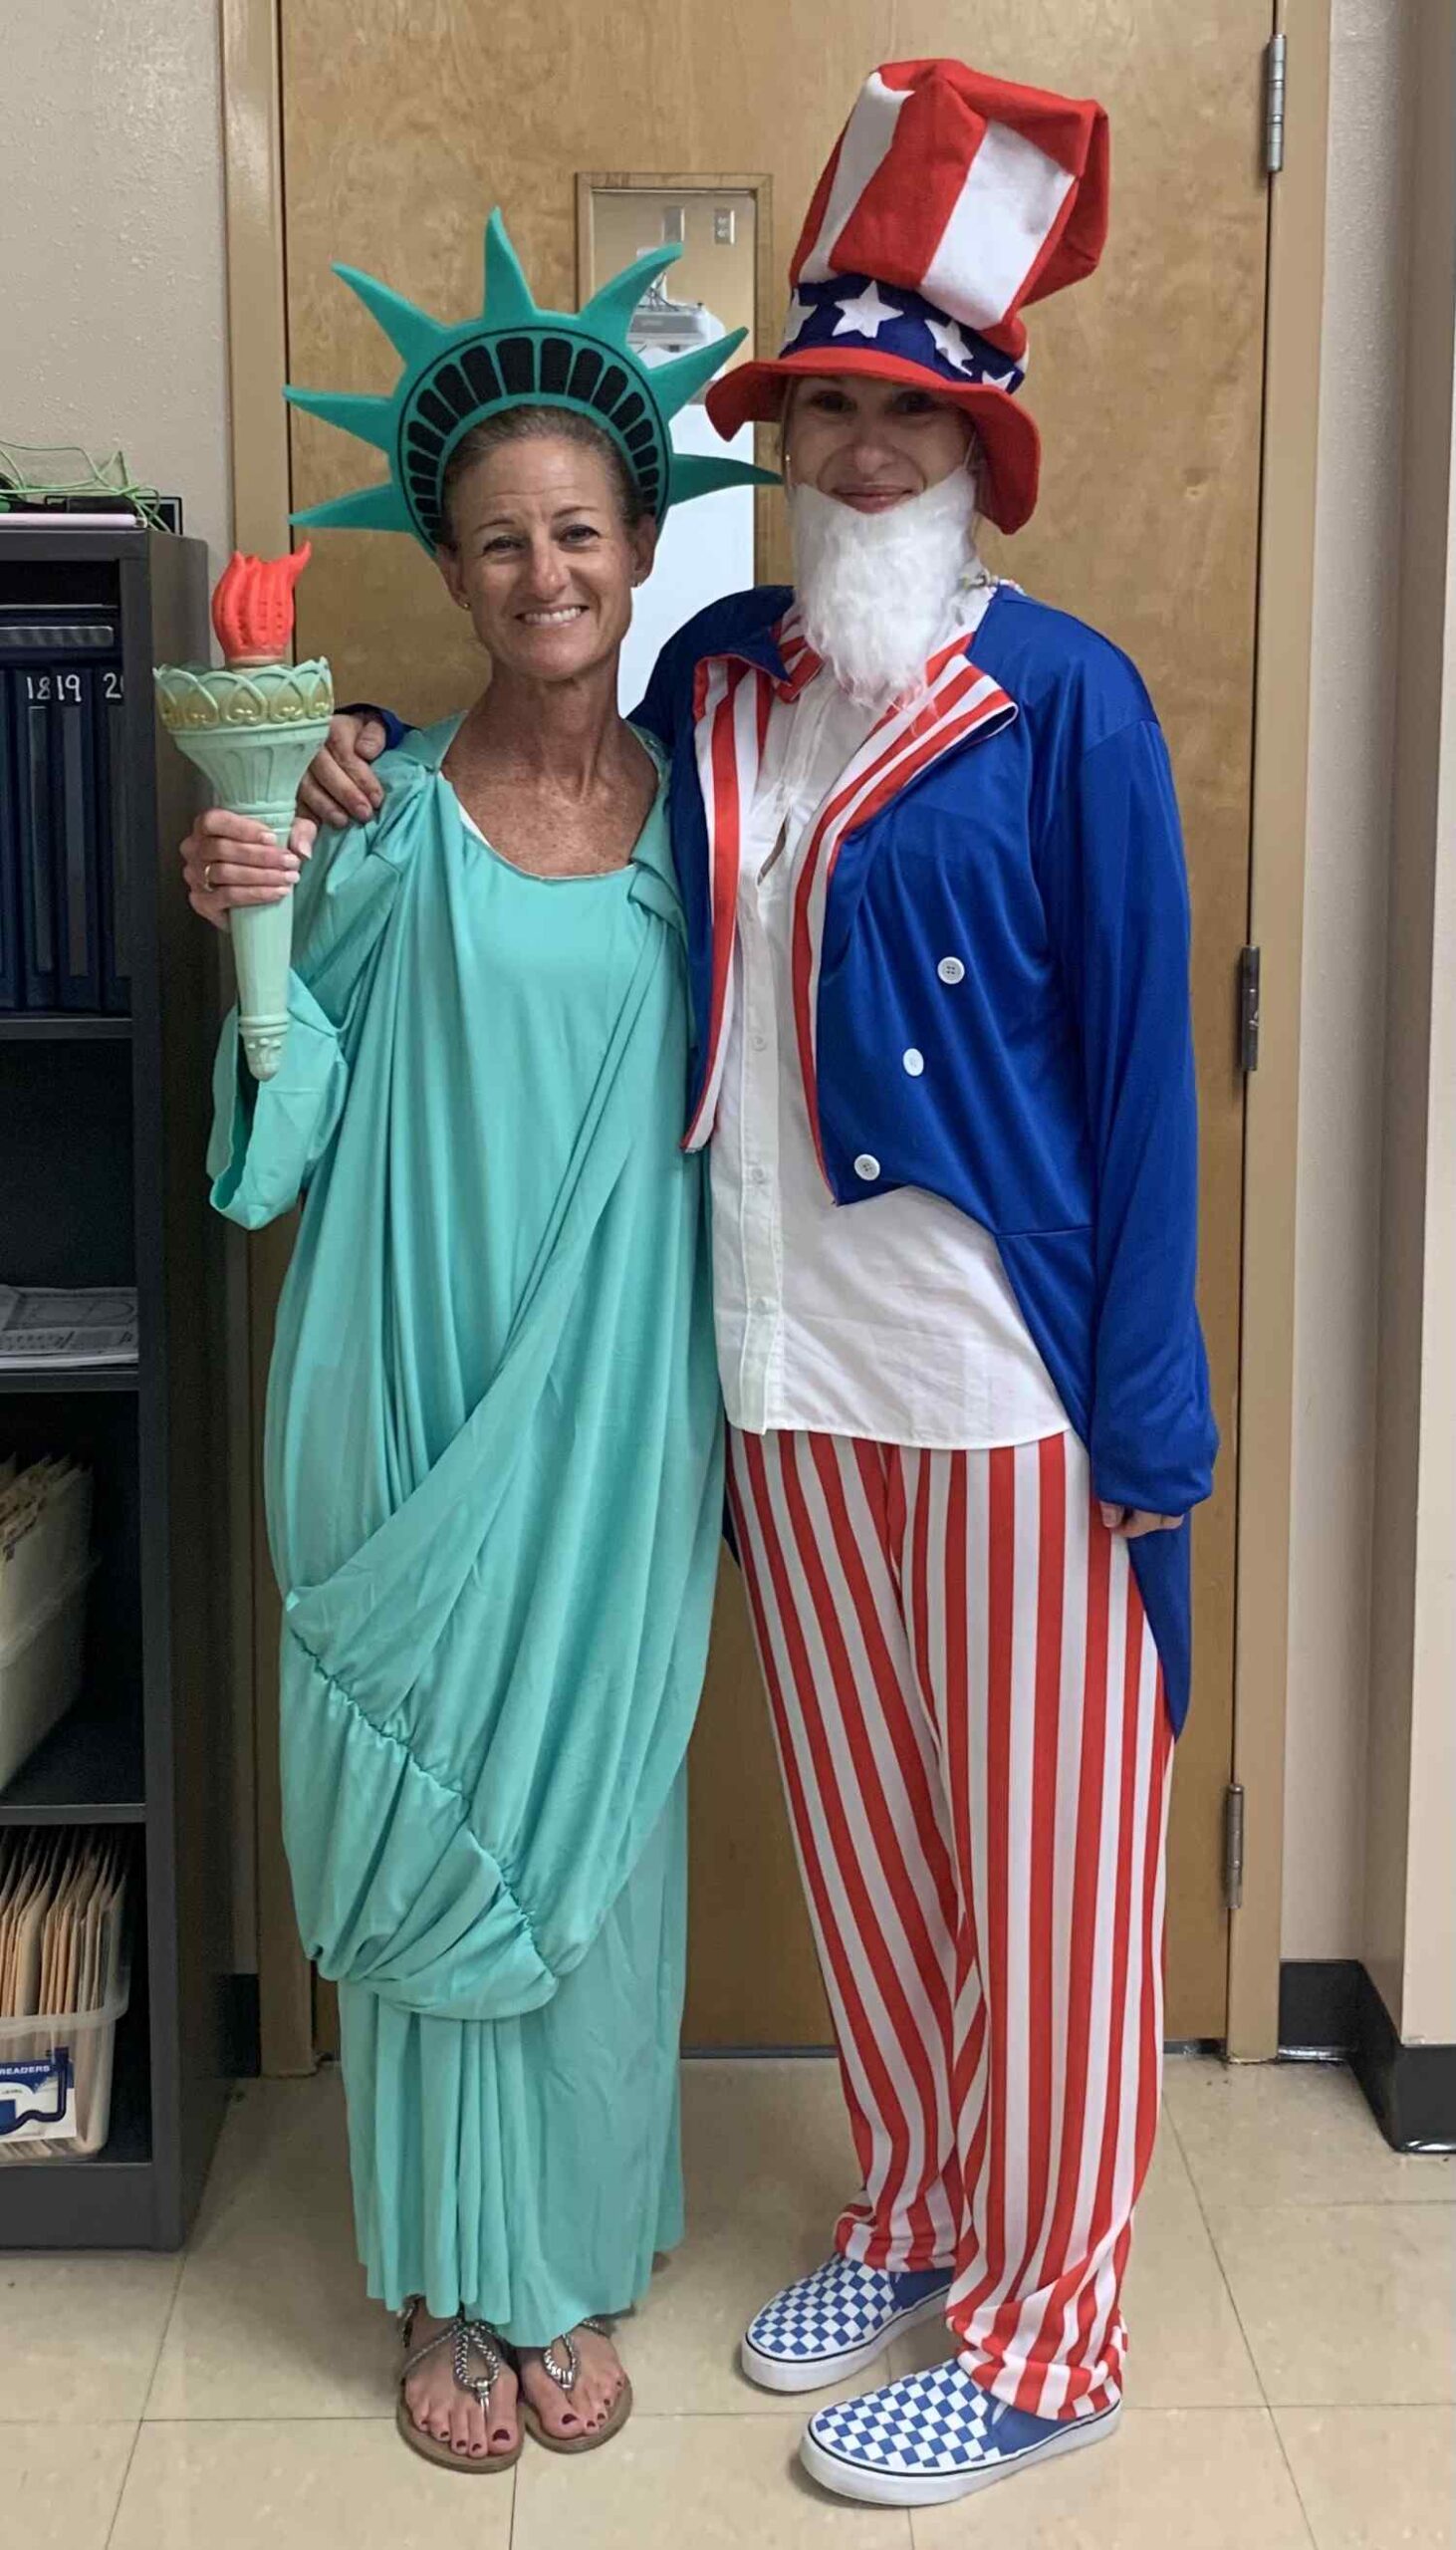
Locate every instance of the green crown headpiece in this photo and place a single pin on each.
(516, 355)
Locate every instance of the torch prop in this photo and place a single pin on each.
(252, 727)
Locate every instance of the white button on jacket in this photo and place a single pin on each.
(867, 1165)
(951, 970)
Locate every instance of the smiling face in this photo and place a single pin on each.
(871, 444)
(541, 557)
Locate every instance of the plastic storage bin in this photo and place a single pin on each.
(56, 2080)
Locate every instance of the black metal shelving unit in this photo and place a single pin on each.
(61, 1026)
(102, 1132)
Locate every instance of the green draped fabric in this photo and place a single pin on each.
(493, 1497)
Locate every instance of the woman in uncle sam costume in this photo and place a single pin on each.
(929, 854)
(494, 1457)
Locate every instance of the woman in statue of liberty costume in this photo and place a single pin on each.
(494, 1462)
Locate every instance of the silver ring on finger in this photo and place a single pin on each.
(207, 877)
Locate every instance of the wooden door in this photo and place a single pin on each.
(404, 122)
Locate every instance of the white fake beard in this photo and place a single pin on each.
(875, 590)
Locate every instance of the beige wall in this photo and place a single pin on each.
(1370, 1799)
(1428, 2002)
(1351, 746)
(111, 300)
(1411, 1807)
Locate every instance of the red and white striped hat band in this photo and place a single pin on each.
(977, 198)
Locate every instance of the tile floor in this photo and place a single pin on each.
(240, 2399)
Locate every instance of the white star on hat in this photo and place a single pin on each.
(865, 313)
(800, 314)
(1001, 379)
(949, 342)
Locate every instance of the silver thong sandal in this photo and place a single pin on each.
(563, 2375)
(465, 2338)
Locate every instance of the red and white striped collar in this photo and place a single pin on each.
(800, 665)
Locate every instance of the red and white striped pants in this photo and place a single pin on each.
(976, 1752)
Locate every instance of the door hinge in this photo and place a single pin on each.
(1249, 971)
(1233, 1847)
(1274, 61)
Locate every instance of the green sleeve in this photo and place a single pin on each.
(269, 1137)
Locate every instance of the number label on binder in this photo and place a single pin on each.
(112, 686)
(45, 689)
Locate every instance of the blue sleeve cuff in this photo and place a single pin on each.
(395, 727)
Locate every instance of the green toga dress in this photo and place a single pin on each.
(493, 1497)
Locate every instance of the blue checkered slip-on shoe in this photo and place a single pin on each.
(932, 2436)
(832, 2323)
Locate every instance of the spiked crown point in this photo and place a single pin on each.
(507, 300)
(610, 310)
(515, 354)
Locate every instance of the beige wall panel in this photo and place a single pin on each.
(114, 307)
(401, 129)
(1408, 1925)
(1428, 2000)
(1341, 1009)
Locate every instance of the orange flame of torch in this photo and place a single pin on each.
(252, 606)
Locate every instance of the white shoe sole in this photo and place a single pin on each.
(891, 2488)
(773, 2372)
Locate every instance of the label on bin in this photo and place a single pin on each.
(38, 2100)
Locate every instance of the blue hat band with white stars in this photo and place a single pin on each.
(850, 312)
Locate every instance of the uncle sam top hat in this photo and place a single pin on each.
(953, 200)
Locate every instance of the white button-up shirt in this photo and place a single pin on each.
(891, 1319)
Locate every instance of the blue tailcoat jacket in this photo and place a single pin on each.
(1004, 892)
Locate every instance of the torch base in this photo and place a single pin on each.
(263, 1043)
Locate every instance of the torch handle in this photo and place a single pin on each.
(262, 941)
(262, 938)
(253, 766)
